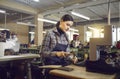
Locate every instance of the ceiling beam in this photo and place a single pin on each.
(61, 3)
(84, 5)
(97, 21)
(18, 7)
(65, 4)
(90, 9)
(86, 22)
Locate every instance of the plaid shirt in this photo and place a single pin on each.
(51, 39)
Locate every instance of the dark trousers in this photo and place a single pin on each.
(3, 73)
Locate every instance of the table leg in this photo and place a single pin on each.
(29, 70)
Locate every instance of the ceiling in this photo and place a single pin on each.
(54, 9)
(45, 5)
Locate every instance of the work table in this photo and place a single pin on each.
(18, 57)
(80, 73)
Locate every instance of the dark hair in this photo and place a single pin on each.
(65, 17)
(7, 33)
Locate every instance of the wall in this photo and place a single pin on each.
(82, 28)
(81, 33)
(20, 30)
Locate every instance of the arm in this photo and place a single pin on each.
(46, 45)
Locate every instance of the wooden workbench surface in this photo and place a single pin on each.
(80, 73)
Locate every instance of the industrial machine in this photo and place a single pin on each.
(105, 63)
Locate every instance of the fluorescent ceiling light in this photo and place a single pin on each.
(79, 15)
(4, 29)
(29, 24)
(2, 11)
(92, 28)
(71, 29)
(32, 32)
(36, 0)
(44, 31)
(45, 20)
